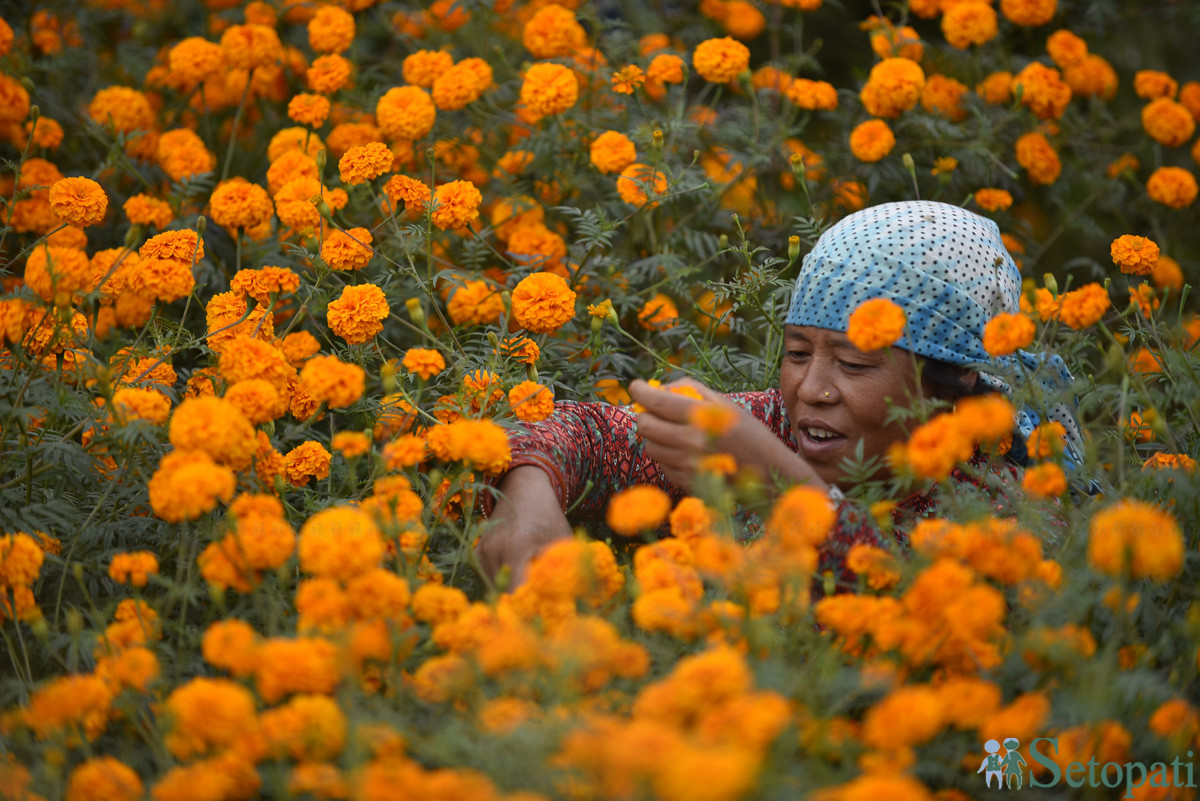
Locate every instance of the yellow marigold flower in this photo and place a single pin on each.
(1066, 49)
(1170, 461)
(990, 199)
(413, 194)
(187, 484)
(893, 86)
(329, 379)
(812, 95)
(542, 303)
(638, 509)
(1174, 187)
(1135, 255)
(612, 151)
(193, 60)
(126, 110)
(626, 80)
(308, 109)
(1039, 159)
(1083, 307)
(215, 426)
(658, 312)
(875, 324)
(425, 362)
(720, 60)
(78, 201)
(1167, 122)
(639, 183)
(1029, 13)
(531, 402)
(548, 89)
(871, 140)
(307, 460)
(328, 73)
(133, 567)
(1004, 334)
(208, 715)
(455, 204)
(358, 314)
(348, 250)
(1135, 536)
(422, 67)
(341, 543)
(237, 203)
(405, 112)
(943, 95)
(972, 22)
(553, 31)
(1045, 480)
(331, 30)
(365, 163)
(249, 46)
(104, 778)
(1152, 84)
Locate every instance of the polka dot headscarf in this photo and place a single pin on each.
(950, 272)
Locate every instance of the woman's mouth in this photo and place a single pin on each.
(818, 441)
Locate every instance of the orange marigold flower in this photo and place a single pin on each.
(308, 109)
(307, 460)
(553, 31)
(871, 140)
(1083, 307)
(1047, 440)
(1167, 274)
(237, 203)
(182, 154)
(1170, 461)
(893, 86)
(405, 112)
(875, 324)
(1029, 13)
(264, 282)
(1152, 84)
(542, 303)
(626, 80)
(720, 60)
(413, 194)
(365, 163)
(328, 73)
(548, 89)
(996, 88)
(1189, 96)
(193, 60)
(347, 250)
(405, 451)
(103, 778)
(801, 518)
(425, 362)
(665, 68)
(1135, 255)
(331, 30)
(1042, 90)
(215, 426)
(812, 95)
(329, 379)
(133, 403)
(422, 67)
(658, 312)
(1134, 536)
(184, 245)
(1168, 122)
(475, 303)
(972, 22)
(249, 46)
(521, 348)
(1045, 480)
(358, 314)
(257, 400)
(1006, 333)
(1039, 159)
(1092, 77)
(455, 204)
(54, 272)
(612, 151)
(636, 183)
(637, 510)
(188, 484)
(463, 83)
(1174, 187)
(993, 199)
(145, 209)
(134, 567)
(531, 402)
(943, 95)
(78, 201)
(125, 109)
(20, 560)
(1066, 49)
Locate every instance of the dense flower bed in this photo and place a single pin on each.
(278, 278)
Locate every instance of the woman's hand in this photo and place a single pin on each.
(525, 520)
(677, 445)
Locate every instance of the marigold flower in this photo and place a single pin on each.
(875, 324)
(1066, 49)
(257, 400)
(626, 80)
(413, 194)
(812, 95)
(250, 46)
(871, 140)
(329, 379)
(1039, 159)
(424, 66)
(126, 110)
(542, 303)
(612, 151)
(340, 543)
(20, 560)
(1029, 13)
(659, 312)
(463, 83)
(1135, 536)
(188, 484)
(531, 402)
(424, 362)
(1045, 480)
(193, 60)
(182, 154)
(1004, 334)
(239, 204)
(215, 426)
(1170, 461)
(405, 112)
(358, 314)
(1174, 187)
(328, 73)
(475, 303)
(1135, 255)
(893, 86)
(943, 95)
(665, 68)
(1168, 122)
(133, 403)
(1152, 84)
(308, 109)
(56, 273)
(455, 204)
(104, 778)
(1083, 307)
(972, 22)
(1092, 77)
(365, 163)
(553, 31)
(1047, 440)
(548, 89)
(78, 201)
(482, 443)
(331, 30)
(638, 509)
(638, 183)
(307, 460)
(1189, 96)
(232, 645)
(990, 199)
(208, 715)
(405, 451)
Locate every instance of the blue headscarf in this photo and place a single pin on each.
(950, 272)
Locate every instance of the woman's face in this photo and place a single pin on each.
(837, 395)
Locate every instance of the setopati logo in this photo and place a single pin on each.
(1009, 770)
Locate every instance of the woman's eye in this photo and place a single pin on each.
(854, 366)
(797, 354)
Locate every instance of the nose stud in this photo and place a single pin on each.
(828, 395)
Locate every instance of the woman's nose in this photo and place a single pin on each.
(816, 385)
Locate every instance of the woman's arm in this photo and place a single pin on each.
(526, 518)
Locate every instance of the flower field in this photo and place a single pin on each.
(279, 278)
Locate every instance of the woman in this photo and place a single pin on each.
(949, 271)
